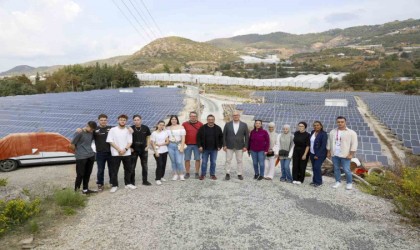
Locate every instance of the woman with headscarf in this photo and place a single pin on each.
(284, 151)
(269, 158)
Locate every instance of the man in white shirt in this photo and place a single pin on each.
(120, 139)
(341, 146)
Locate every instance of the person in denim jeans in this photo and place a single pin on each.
(283, 149)
(341, 146)
(209, 142)
(103, 150)
(176, 133)
(259, 143)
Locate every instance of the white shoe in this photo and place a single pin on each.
(158, 183)
(336, 185)
(113, 189)
(181, 177)
(349, 186)
(175, 178)
(130, 186)
(162, 179)
(298, 182)
(294, 182)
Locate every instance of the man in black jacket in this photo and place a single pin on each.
(209, 141)
(139, 148)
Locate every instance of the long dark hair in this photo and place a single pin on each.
(322, 126)
(255, 128)
(170, 123)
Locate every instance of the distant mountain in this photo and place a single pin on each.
(176, 52)
(388, 34)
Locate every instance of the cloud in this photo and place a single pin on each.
(259, 28)
(341, 17)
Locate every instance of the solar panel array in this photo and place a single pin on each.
(400, 113)
(291, 107)
(64, 112)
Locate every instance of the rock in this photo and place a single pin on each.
(12, 192)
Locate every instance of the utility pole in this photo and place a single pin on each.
(198, 99)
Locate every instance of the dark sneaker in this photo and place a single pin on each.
(227, 177)
(256, 176)
(213, 177)
(197, 175)
(89, 191)
(260, 178)
(201, 177)
(312, 184)
(187, 176)
(240, 177)
(146, 183)
(100, 188)
(282, 180)
(317, 185)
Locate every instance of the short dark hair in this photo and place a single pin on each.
(170, 118)
(341, 117)
(102, 116)
(139, 116)
(156, 128)
(92, 125)
(210, 116)
(123, 116)
(193, 112)
(304, 124)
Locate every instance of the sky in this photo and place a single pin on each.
(51, 32)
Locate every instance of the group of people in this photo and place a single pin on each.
(203, 142)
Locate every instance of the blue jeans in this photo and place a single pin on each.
(345, 163)
(316, 168)
(101, 159)
(205, 157)
(177, 158)
(258, 159)
(285, 169)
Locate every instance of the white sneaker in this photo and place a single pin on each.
(349, 186)
(181, 177)
(294, 182)
(162, 179)
(130, 186)
(336, 185)
(298, 182)
(113, 189)
(175, 178)
(158, 183)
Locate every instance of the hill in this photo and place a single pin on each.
(389, 34)
(176, 52)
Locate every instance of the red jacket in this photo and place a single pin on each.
(192, 130)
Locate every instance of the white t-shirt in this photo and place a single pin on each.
(176, 134)
(313, 143)
(159, 138)
(121, 137)
(236, 127)
(338, 143)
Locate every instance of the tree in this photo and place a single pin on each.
(166, 68)
(37, 78)
(356, 80)
(177, 70)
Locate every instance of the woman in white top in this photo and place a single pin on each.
(176, 133)
(269, 158)
(159, 141)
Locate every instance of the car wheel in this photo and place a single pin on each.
(8, 165)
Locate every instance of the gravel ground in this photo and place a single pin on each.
(221, 214)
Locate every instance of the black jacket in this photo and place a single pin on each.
(201, 136)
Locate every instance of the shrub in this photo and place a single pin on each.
(3, 182)
(15, 212)
(69, 198)
(404, 191)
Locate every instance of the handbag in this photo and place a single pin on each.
(283, 153)
(269, 154)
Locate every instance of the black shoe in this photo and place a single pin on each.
(256, 176)
(260, 178)
(197, 175)
(187, 176)
(317, 185)
(240, 177)
(227, 177)
(89, 191)
(312, 184)
(282, 180)
(146, 183)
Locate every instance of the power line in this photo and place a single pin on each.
(128, 19)
(150, 37)
(141, 16)
(151, 17)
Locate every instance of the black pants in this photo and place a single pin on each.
(83, 171)
(161, 165)
(115, 165)
(299, 165)
(143, 155)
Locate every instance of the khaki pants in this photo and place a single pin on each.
(229, 156)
